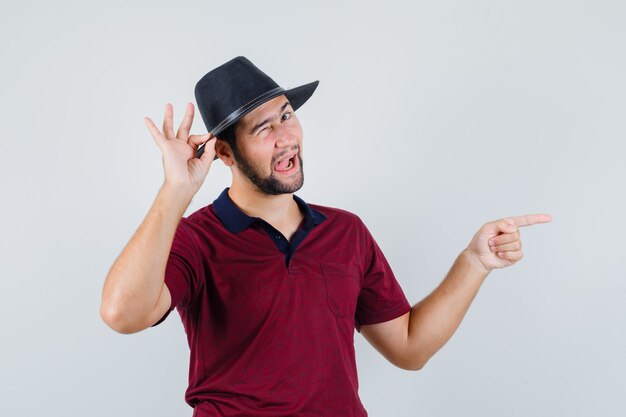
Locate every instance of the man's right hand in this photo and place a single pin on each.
(135, 295)
(183, 171)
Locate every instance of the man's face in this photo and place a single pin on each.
(269, 147)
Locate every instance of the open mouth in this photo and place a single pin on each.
(286, 165)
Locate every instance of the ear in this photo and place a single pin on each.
(224, 152)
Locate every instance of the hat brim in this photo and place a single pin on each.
(297, 96)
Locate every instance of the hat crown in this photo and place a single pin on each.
(232, 90)
(228, 88)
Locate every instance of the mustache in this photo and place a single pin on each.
(288, 151)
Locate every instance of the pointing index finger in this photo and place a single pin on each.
(530, 219)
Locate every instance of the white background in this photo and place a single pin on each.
(431, 119)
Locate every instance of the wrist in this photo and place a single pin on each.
(175, 197)
(178, 192)
(474, 262)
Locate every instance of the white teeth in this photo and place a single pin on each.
(290, 164)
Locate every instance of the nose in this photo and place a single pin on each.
(285, 137)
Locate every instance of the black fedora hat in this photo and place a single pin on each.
(232, 90)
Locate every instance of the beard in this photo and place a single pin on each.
(270, 184)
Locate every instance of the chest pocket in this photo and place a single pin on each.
(342, 289)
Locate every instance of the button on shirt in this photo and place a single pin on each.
(270, 323)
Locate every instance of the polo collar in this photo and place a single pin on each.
(237, 221)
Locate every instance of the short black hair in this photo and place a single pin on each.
(228, 135)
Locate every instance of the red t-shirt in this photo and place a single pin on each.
(270, 329)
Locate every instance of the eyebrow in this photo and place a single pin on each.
(258, 125)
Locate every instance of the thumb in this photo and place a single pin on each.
(209, 152)
(500, 226)
(507, 226)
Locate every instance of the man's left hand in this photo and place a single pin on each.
(497, 244)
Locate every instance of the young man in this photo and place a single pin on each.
(268, 287)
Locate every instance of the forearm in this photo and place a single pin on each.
(135, 281)
(435, 319)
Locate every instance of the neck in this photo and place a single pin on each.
(274, 209)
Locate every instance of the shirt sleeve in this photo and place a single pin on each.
(183, 272)
(381, 298)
